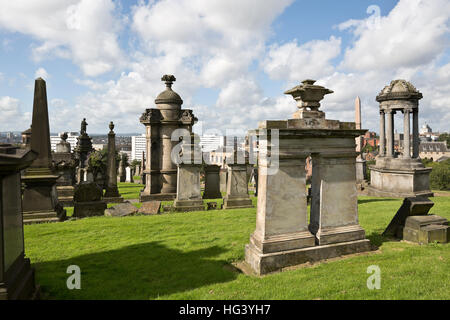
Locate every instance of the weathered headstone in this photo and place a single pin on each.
(128, 174)
(121, 172)
(223, 178)
(212, 182)
(16, 274)
(40, 200)
(121, 210)
(112, 192)
(150, 207)
(88, 200)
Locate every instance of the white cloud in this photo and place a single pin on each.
(82, 30)
(41, 72)
(12, 117)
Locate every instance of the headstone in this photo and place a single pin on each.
(189, 196)
(65, 166)
(121, 210)
(112, 192)
(283, 237)
(223, 179)
(88, 200)
(128, 174)
(212, 182)
(16, 274)
(121, 171)
(40, 200)
(161, 122)
(150, 207)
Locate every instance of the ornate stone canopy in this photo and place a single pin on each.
(399, 90)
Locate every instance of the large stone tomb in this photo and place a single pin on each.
(16, 275)
(160, 123)
(40, 201)
(112, 194)
(212, 182)
(282, 236)
(189, 197)
(394, 175)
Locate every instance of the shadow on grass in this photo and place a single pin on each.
(144, 271)
(361, 201)
(377, 238)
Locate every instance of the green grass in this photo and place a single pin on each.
(187, 256)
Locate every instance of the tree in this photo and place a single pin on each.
(445, 137)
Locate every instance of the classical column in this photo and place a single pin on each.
(415, 133)
(382, 134)
(112, 192)
(406, 139)
(390, 134)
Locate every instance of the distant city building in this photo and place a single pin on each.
(209, 143)
(138, 145)
(425, 129)
(71, 138)
(370, 138)
(433, 150)
(98, 146)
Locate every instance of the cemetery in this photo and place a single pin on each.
(171, 236)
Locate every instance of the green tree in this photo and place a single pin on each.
(440, 175)
(445, 137)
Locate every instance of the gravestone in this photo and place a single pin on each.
(112, 192)
(282, 236)
(65, 165)
(121, 172)
(83, 148)
(223, 178)
(40, 200)
(150, 207)
(128, 174)
(88, 200)
(16, 274)
(189, 196)
(121, 210)
(212, 182)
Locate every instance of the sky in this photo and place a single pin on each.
(233, 59)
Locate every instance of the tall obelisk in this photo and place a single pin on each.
(361, 175)
(40, 202)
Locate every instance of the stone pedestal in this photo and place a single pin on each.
(40, 201)
(361, 170)
(223, 175)
(212, 182)
(64, 164)
(160, 123)
(237, 188)
(403, 176)
(426, 229)
(16, 276)
(282, 237)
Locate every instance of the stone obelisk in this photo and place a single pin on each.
(40, 202)
(112, 194)
(361, 175)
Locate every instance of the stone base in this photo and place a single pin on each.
(340, 234)
(157, 196)
(211, 195)
(262, 263)
(373, 192)
(112, 199)
(19, 283)
(65, 195)
(237, 203)
(283, 242)
(426, 229)
(188, 205)
(89, 209)
(34, 217)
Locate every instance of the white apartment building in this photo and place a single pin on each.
(71, 138)
(138, 145)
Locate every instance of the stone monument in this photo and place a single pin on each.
(361, 175)
(283, 237)
(64, 164)
(212, 182)
(82, 151)
(189, 197)
(16, 274)
(237, 185)
(40, 201)
(121, 172)
(112, 192)
(128, 174)
(88, 200)
(403, 176)
(160, 123)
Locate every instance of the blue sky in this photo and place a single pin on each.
(233, 60)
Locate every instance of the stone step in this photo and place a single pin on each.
(44, 220)
(39, 215)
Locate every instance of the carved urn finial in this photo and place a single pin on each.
(111, 127)
(168, 79)
(308, 95)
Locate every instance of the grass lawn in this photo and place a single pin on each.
(188, 256)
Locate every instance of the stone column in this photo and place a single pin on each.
(416, 133)
(112, 192)
(334, 208)
(382, 134)
(406, 133)
(390, 134)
